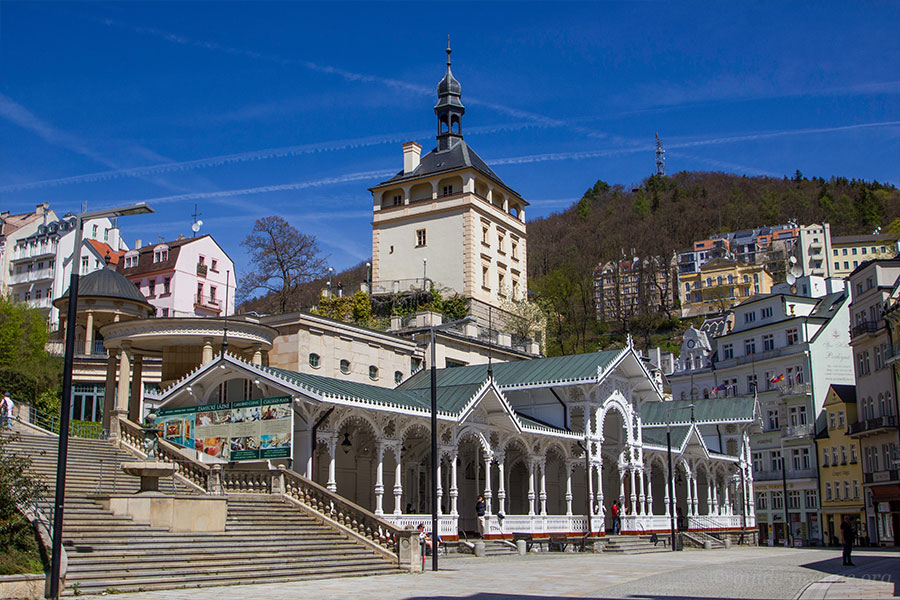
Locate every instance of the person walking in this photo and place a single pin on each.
(614, 511)
(6, 410)
(847, 535)
(479, 511)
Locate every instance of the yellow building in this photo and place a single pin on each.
(850, 251)
(840, 470)
(721, 284)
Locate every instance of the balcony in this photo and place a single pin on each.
(881, 476)
(30, 276)
(798, 431)
(872, 426)
(33, 252)
(749, 358)
(201, 301)
(794, 389)
(201, 270)
(864, 328)
(791, 474)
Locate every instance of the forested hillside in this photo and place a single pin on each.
(666, 214)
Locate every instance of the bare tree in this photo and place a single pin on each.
(283, 259)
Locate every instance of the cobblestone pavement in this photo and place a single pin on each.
(738, 573)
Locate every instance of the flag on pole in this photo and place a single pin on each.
(777, 378)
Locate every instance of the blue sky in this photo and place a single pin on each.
(295, 109)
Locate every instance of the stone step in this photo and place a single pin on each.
(115, 586)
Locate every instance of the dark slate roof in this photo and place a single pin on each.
(847, 393)
(657, 437)
(828, 306)
(106, 283)
(715, 327)
(861, 239)
(460, 156)
(711, 410)
(537, 371)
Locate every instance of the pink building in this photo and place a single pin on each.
(188, 277)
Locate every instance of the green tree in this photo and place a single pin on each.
(27, 371)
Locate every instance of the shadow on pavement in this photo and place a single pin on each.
(868, 565)
(502, 596)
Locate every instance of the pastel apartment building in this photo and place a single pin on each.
(850, 251)
(186, 277)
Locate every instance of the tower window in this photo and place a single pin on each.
(448, 189)
(398, 200)
(420, 238)
(314, 360)
(398, 377)
(373, 372)
(345, 366)
(485, 273)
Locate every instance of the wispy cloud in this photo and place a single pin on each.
(250, 156)
(224, 196)
(266, 189)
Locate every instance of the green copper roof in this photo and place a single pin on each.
(537, 371)
(711, 410)
(657, 436)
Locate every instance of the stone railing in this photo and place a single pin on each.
(190, 470)
(345, 513)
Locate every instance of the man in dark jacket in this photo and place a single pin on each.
(479, 511)
(847, 535)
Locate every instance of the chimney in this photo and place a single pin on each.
(137, 244)
(411, 153)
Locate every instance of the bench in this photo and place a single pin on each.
(558, 542)
(527, 538)
(656, 539)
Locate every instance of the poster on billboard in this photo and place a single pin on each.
(245, 430)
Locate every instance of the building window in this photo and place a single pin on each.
(420, 238)
(766, 312)
(762, 500)
(794, 499)
(201, 260)
(199, 292)
(515, 251)
(772, 418)
(345, 366)
(777, 500)
(397, 200)
(151, 287)
(768, 342)
(167, 285)
(812, 499)
(793, 336)
(825, 462)
(84, 265)
(751, 383)
(373, 372)
(212, 295)
(840, 418)
(215, 265)
(398, 377)
(165, 312)
(94, 231)
(485, 236)
(828, 490)
(757, 462)
(485, 281)
(727, 351)
(749, 317)
(414, 364)
(314, 360)
(853, 459)
(750, 346)
(448, 189)
(161, 254)
(831, 420)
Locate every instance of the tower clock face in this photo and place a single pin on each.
(691, 343)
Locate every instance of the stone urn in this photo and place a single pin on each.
(149, 471)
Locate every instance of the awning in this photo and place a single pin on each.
(885, 493)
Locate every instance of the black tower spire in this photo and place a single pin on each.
(449, 109)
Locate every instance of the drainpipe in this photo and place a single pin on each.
(565, 411)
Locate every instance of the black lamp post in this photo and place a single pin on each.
(65, 405)
(671, 475)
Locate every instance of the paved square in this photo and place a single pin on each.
(745, 573)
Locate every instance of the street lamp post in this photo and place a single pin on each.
(671, 475)
(434, 453)
(65, 405)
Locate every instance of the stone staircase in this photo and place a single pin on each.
(632, 544)
(265, 539)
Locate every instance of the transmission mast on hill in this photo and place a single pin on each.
(660, 157)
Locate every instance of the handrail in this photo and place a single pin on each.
(190, 469)
(244, 479)
(341, 510)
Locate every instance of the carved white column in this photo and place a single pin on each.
(379, 479)
(648, 506)
(694, 498)
(501, 483)
(709, 497)
(207, 351)
(687, 494)
(440, 487)
(531, 495)
(543, 495)
(488, 495)
(621, 486)
(454, 490)
(717, 509)
(398, 482)
(598, 498)
(332, 460)
(666, 498)
(632, 497)
(568, 490)
(641, 508)
(728, 509)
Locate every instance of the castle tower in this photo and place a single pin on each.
(448, 218)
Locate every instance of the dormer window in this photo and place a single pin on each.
(131, 260)
(160, 254)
